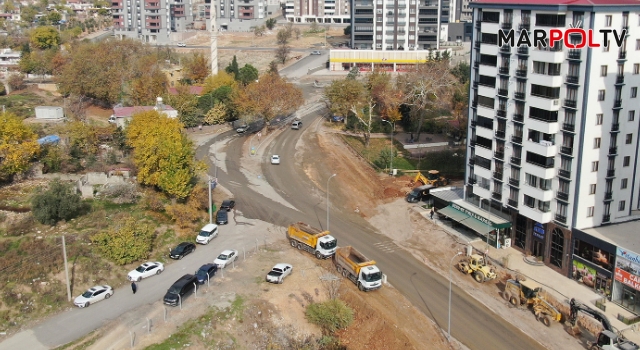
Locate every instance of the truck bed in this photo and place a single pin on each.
(301, 226)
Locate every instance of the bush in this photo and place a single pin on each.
(125, 192)
(153, 201)
(184, 215)
(59, 202)
(330, 315)
(16, 82)
(131, 242)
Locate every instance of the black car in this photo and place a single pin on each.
(222, 218)
(182, 249)
(180, 289)
(227, 204)
(206, 269)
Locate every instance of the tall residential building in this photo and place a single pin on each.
(553, 132)
(151, 20)
(464, 12)
(399, 24)
(320, 11)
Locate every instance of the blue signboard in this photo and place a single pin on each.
(538, 230)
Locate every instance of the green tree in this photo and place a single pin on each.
(462, 71)
(331, 315)
(223, 94)
(162, 153)
(232, 68)
(347, 30)
(54, 17)
(186, 104)
(28, 14)
(59, 202)
(270, 23)
(18, 146)
(45, 37)
(129, 243)
(247, 74)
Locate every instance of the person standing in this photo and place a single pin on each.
(134, 287)
(432, 212)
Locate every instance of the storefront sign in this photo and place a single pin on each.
(631, 256)
(538, 230)
(472, 214)
(584, 274)
(628, 279)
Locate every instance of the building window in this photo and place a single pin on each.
(529, 201)
(605, 48)
(621, 205)
(521, 232)
(634, 92)
(590, 211)
(632, 115)
(603, 71)
(594, 166)
(623, 184)
(636, 68)
(599, 118)
(637, 44)
(600, 95)
(557, 247)
(628, 139)
(596, 142)
(625, 161)
(608, 20)
(592, 189)
(531, 180)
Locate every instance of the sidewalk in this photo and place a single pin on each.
(556, 284)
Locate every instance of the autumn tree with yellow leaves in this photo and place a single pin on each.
(18, 146)
(270, 97)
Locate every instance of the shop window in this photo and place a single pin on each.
(520, 238)
(593, 254)
(557, 247)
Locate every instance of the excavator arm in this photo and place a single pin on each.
(576, 307)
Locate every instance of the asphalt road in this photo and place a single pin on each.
(473, 324)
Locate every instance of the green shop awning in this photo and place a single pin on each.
(453, 214)
(456, 213)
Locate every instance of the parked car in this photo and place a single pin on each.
(296, 125)
(204, 271)
(275, 159)
(222, 217)
(207, 233)
(182, 45)
(228, 204)
(182, 249)
(279, 272)
(180, 290)
(93, 295)
(145, 270)
(225, 258)
(316, 53)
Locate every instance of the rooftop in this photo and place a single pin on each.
(120, 112)
(621, 235)
(563, 2)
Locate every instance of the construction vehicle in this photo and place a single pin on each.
(519, 292)
(475, 265)
(356, 267)
(609, 338)
(418, 194)
(310, 239)
(433, 178)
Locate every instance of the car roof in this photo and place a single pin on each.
(209, 227)
(281, 265)
(227, 252)
(184, 244)
(94, 288)
(275, 156)
(207, 266)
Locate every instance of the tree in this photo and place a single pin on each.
(186, 104)
(270, 23)
(54, 17)
(282, 53)
(16, 82)
(273, 68)
(223, 78)
(283, 36)
(340, 95)
(297, 33)
(259, 30)
(362, 109)
(386, 95)
(462, 71)
(347, 30)
(197, 67)
(216, 115)
(353, 73)
(162, 153)
(271, 96)
(45, 37)
(130, 242)
(18, 146)
(83, 138)
(247, 74)
(59, 202)
(28, 14)
(223, 94)
(232, 68)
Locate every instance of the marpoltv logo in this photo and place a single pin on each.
(549, 38)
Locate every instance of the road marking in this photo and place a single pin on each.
(387, 246)
(233, 183)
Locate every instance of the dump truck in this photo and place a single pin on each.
(476, 266)
(310, 239)
(358, 268)
(523, 292)
(433, 178)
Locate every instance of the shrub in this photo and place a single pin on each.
(184, 215)
(153, 201)
(125, 192)
(59, 202)
(331, 315)
(131, 242)
(16, 81)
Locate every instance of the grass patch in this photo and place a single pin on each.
(22, 104)
(376, 146)
(330, 315)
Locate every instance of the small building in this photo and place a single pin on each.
(9, 57)
(368, 60)
(122, 115)
(49, 112)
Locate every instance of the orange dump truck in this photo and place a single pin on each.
(315, 241)
(358, 268)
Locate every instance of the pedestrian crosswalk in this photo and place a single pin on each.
(386, 246)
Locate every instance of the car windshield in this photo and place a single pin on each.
(179, 248)
(222, 214)
(204, 234)
(223, 257)
(174, 290)
(87, 294)
(141, 268)
(226, 203)
(329, 245)
(372, 277)
(202, 273)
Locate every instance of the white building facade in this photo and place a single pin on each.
(151, 21)
(553, 132)
(319, 11)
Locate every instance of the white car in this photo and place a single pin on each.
(279, 272)
(275, 159)
(225, 258)
(316, 53)
(145, 270)
(93, 295)
(182, 45)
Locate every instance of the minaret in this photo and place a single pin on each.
(214, 41)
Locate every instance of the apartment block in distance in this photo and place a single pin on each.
(399, 24)
(553, 137)
(151, 20)
(319, 11)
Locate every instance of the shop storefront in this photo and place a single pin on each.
(626, 286)
(592, 263)
(490, 227)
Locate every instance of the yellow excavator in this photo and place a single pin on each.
(433, 178)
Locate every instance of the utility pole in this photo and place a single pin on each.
(210, 203)
(66, 268)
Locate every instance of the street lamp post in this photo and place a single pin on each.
(450, 277)
(393, 128)
(330, 177)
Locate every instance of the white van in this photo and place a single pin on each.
(207, 233)
(296, 125)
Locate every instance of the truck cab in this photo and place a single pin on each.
(369, 278)
(327, 245)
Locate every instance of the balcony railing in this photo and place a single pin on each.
(611, 173)
(496, 196)
(564, 173)
(497, 175)
(499, 155)
(474, 103)
(620, 79)
(501, 113)
(566, 150)
(622, 55)
(608, 195)
(521, 72)
(548, 165)
(524, 25)
(518, 117)
(615, 127)
(569, 127)
(518, 95)
(474, 123)
(523, 50)
(516, 139)
(513, 203)
(505, 49)
(613, 150)
(516, 160)
(563, 196)
(572, 79)
(574, 54)
(507, 25)
(606, 218)
(514, 182)
(472, 161)
(472, 142)
(561, 218)
(500, 133)
(503, 92)
(570, 103)
(503, 70)
(476, 64)
(478, 22)
(477, 44)
(472, 180)
(617, 104)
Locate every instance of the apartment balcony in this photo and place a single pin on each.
(564, 173)
(547, 165)
(474, 123)
(476, 64)
(478, 23)
(516, 139)
(472, 143)
(501, 113)
(477, 44)
(516, 161)
(570, 103)
(524, 26)
(519, 95)
(615, 127)
(620, 80)
(471, 180)
(472, 161)
(561, 218)
(521, 73)
(503, 92)
(562, 196)
(498, 155)
(505, 49)
(606, 218)
(506, 25)
(518, 117)
(611, 173)
(572, 79)
(523, 51)
(497, 175)
(475, 84)
(500, 134)
(569, 127)
(622, 55)
(503, 70)
(474, 103)
(513, 203)
(566, 150)
(608, 196)
(514, 182)
(613, 151)
(574, 54)
(617, 104)
(497, 196)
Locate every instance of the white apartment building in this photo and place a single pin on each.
(553, 132)
(151, 21)
(319, 11)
